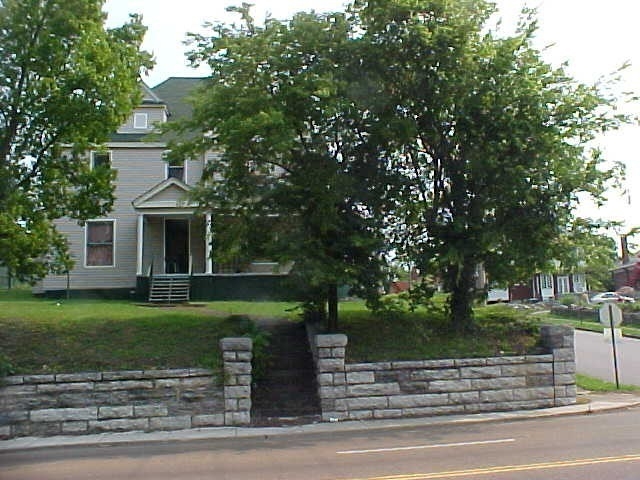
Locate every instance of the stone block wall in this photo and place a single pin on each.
(450, 386)
(237, 354)
(149, 400)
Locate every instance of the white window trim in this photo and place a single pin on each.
(564, 286)
(93, 152)
(86, 234)
(579, 282)
(184, 172)
(140, 121)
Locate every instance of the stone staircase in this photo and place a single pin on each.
(286, 393)
(169, 289)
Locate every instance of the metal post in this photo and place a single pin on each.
(613, 344)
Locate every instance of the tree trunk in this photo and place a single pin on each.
(332, 300)
(461, 279)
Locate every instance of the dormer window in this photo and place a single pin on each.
(100, 160)
(140, 120)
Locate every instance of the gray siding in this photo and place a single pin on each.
(194, 171)
(197, 238)
(139, 169)
(154, 115)
(172, 194)
(153, 243)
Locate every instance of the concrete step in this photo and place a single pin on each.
(287, 393)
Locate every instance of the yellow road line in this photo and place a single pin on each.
(508, 468)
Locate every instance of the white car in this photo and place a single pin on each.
(611, 297)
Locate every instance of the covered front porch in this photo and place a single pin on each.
(170, 237)
(175, 241)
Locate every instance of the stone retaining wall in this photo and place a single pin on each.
(437, 387)
(95, 402)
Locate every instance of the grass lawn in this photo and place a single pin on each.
(583, 324)
(421, 335)
(596, 385)
(42, 335)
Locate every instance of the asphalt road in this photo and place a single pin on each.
(596, 446)
(594, 357)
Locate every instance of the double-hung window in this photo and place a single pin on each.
(579, 283)
(563, 284)
(100, 244)
(546, 280)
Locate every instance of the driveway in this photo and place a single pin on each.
(594, 357)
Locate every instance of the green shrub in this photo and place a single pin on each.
(6, 367)
(390, 306)
(630, 307)
(260, 340)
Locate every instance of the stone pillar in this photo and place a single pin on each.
(559, 340)
(237, 354)
(331, 376)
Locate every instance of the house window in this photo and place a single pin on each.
(546, 281)
(140, 120)
(175, 171)
(579, 283)
(100, 243)
(100, 160)
(563, 284)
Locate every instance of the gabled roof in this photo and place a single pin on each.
(170, 193)
(632, 262)
(148, 96)
(175, 91)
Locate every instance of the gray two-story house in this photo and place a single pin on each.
(155, 244)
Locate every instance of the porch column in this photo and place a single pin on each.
(207, 246)
(139, 238)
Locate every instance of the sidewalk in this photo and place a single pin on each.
(588, 403)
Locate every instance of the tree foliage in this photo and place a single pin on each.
(491, 140)
(66, 83)
(410, 120)
(294, 181)
(585, 246)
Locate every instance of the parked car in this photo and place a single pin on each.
(611, 297)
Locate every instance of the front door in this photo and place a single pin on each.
(176, 246)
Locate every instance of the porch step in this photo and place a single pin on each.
(169, 289)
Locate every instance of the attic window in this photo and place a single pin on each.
(140, 120)
(175, 171)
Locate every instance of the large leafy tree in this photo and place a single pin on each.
(296, 180)
(66, 83)
(490, 139)
(408, 118)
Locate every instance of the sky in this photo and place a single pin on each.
(594, 37)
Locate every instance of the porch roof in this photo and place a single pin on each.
(170, 193)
